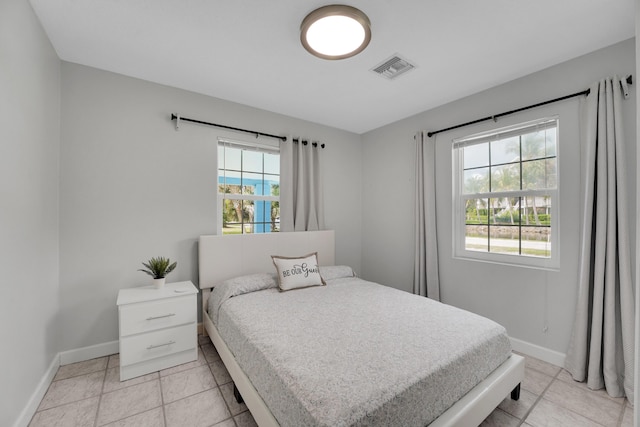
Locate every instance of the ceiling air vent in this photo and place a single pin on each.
(393, 67)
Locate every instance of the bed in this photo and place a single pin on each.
(352, 371)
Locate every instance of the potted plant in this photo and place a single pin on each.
(158, 268)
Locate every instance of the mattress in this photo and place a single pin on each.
(354, 353)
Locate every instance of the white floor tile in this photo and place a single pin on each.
(112, 380)
(81, 368)
(128, 401)
(500, 418)
(235, 407)
(200, 394)
(200, 410)
(76, 414)
(535, 382)
(73, 389)
(220, 372)
(152, 418)
(586, 403)
(549, 414)
(245, 420)
(186, 383)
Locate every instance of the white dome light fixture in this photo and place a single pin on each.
(335, 32)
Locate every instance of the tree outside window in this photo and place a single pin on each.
(507, 192)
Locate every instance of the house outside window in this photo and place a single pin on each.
(248, 188)
(506, 195)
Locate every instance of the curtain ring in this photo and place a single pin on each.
(625, 88)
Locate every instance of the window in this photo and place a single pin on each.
(506, 195)
(248, 188)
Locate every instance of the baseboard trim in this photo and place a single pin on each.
(542, 353)
(62, 358)
(98, 350)
(34, 401)
(91, 352)
(65, 358)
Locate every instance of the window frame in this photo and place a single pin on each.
(460, 198)
(245, 146)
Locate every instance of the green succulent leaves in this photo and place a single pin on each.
(158, 267)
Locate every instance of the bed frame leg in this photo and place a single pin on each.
(239, 399)
(515, 393)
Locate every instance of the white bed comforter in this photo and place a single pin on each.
(355, 353)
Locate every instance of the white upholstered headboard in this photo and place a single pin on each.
(223, 257)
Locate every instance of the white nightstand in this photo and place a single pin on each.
(158, 328)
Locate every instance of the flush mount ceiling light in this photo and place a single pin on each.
(335, 32)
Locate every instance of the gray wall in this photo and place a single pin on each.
(524, 300)
(29, 148)
(132, 187)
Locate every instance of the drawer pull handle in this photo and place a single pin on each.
(161, 317)
(160, 345)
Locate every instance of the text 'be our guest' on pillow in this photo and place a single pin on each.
(297, 272)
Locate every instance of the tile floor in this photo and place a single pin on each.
(200, 394)
(550, 398)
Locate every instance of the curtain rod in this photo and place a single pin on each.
(177, 118)
(629, 80)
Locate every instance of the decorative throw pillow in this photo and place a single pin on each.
(332, 272)
(297, 272)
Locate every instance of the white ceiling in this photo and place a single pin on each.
(248, 51)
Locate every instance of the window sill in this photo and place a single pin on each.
(547, 264)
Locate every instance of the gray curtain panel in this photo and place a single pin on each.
(301, 197)
(601, 350)
(426, 281)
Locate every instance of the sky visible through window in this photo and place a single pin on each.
(249, 186)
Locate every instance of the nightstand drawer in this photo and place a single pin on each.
(149, 316)
(138, 348)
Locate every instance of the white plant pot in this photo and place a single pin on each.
(159, 283)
